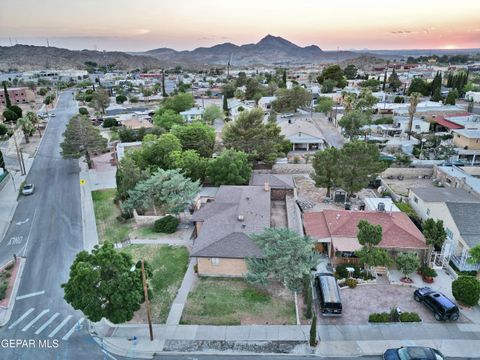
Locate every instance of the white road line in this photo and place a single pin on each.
(29, 232)
(49, 321)
(62, 324)
(21, 318)
(70, 332)
(109, 355)
(35, 320)
(31, 295)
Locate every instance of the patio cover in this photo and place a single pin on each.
(346, 244)
(448, 124)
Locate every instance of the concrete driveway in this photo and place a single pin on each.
(360, 302)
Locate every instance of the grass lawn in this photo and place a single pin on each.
(217, 301)
(106, 212)
(169, 265)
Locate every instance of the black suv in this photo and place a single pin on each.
(442, 307)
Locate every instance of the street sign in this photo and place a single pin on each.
(82, 182)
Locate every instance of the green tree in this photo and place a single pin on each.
(81, 138)
(436, 87)
(248, 133)
(102, 285)
(83, 111)
(179, 103)
(435, 235)
(452, 97)
(359, 163)
(225, 104)
(407, 263)
(328, 86)
(166, 190)
(474, 253)
(196, 136)
(17, 110)
(239, 94)
(333, 72)
(229, 89)
(155, 152)
(289, 100)
(412, 109)
(3, 129)
(393, 81)
(418, 85)
(101, 100)
(466, 290)
(369, 236)
(213, 112)
(372, 84)
(287, 258)
(27, 127)
(308, 300)
(128, 175)
(253, 89)
(350, 71)
(120, 99)
(10, 116)
(229, 168)
(324, 105)
(8, 102)
(167, 119)
(365, 101)
(351, 123)
(190, 163)
(313, 331)
(2, 162)
(326, 169)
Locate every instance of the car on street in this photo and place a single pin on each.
(442, 307)
(52, 115)
(413, 353)
(28, 189)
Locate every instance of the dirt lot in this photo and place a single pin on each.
(360, 302)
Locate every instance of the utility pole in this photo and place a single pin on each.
(145, 292)
(18, 151)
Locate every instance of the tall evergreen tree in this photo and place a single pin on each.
(8, 103)
(225, 104)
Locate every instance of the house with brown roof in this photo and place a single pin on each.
(223, 227)
(336, 232)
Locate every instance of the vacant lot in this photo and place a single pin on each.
(360, 302)
(106, 213)
(217, 301)
(169, 264)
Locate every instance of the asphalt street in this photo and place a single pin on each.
(47, 230)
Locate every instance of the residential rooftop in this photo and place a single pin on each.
(444, 194)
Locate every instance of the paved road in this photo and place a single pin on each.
(251, 357)
(47, 230)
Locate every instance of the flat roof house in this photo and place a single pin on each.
(459, 211)
(192, 114)
(303, 135)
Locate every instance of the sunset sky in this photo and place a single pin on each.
(186, 24)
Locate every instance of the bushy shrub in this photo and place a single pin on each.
(351, 283)
(466, 289)
(427, 271)
(3, 129)
(341, 271)
(3, 290)
(110, 122)
(410, 317)
(167, 225)
(379, 317)
(83, 111)
(383, 120)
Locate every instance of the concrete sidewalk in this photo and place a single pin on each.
(178, 304)
(90, 235)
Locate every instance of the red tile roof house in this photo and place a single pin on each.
(337, 231)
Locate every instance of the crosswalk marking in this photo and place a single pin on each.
(21, 318)
(35, 320)
(62, 324)
(48, 322)
(70, 332)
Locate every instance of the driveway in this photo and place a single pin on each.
(360, 302)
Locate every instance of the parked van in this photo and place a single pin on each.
(328, 294)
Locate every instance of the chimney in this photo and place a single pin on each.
(266, 186)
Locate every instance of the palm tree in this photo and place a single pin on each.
(412, 109)
(34, 120)
(27, 127)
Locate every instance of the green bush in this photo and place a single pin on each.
(167, 225)
(3, 129)
(427, 271)
(466, 289)
(83, 111)
(383, 120)
(109, 122)
(3, 290)
(351, 283)
(341, 271)
(410, 317)
(379, 317)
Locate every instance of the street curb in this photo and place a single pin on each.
(8, 312)
(10, 217)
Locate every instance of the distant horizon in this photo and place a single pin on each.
(52, 42)
(142, 25)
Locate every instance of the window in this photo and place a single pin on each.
(428, 211)
(449, 233)
(415, 199)
(215, 261)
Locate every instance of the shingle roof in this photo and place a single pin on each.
(276, 181)
(446, 194)
(466, 217)
(398, 230)
(222, 234)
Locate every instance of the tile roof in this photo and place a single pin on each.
(222, 234)
(398, 230)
